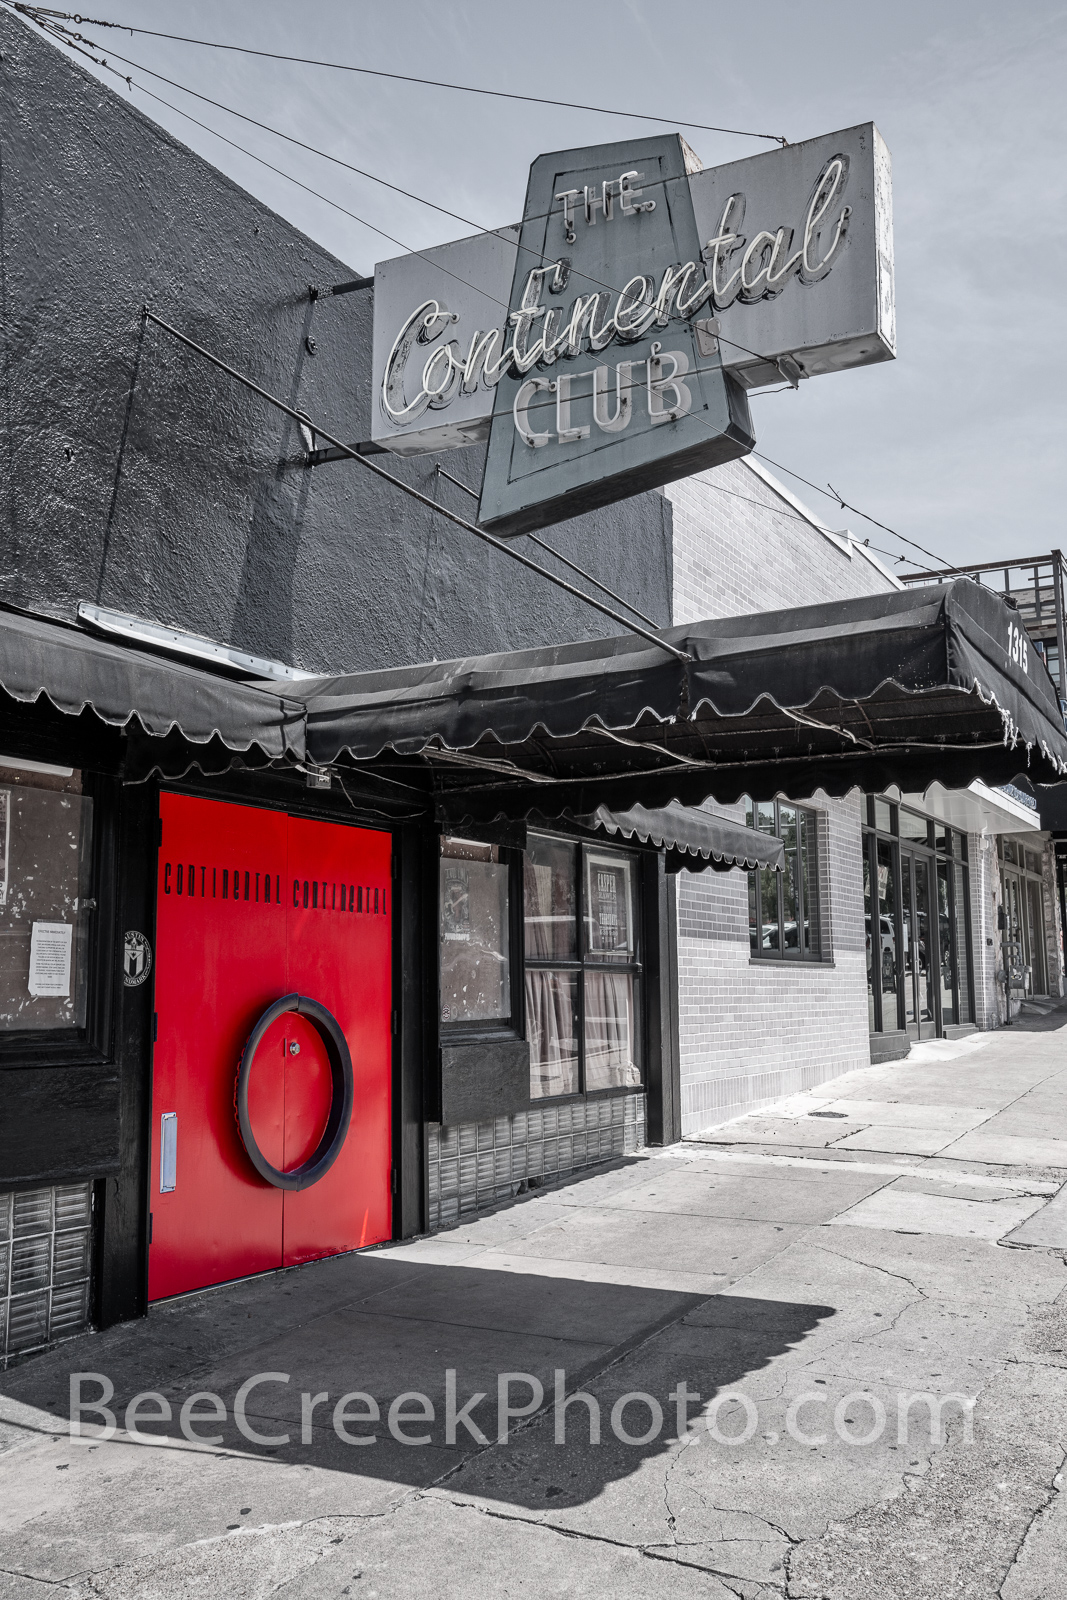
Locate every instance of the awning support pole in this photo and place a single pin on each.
(415, 494)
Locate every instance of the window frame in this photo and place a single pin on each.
(815, 957)
(583, 961)
(945, 844)
(90, 1044)
(466, 1031)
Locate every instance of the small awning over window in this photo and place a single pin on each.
(908, 688)
(139, 691)
(694, 840)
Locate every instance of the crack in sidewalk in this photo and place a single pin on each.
(1055, 1490)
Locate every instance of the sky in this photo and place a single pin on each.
(958, 443)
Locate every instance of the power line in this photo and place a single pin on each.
(797, 517)
(301, 418)
(398, 77)
(831, 494)
(64, 36)
(325, 198)
(552, 551)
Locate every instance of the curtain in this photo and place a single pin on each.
(609, 1031)
(538, 896)
(552, 1029)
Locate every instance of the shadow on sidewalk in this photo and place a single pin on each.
(1041, 1017)
(381, 1328)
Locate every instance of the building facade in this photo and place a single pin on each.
(304, 947)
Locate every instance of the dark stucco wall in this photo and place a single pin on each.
(136, 476)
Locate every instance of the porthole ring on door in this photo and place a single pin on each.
(336, 1130)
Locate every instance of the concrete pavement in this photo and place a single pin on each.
(807, 1272)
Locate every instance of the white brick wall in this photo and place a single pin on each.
(984, 871)
(752, 1032)
(740, 547)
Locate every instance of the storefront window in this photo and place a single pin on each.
(1024, 902)
(913, 828)
(783, 906)
(947, 961)
(46, 826)
(883, 965)
(582, 970)
(966, 1007)
(475, 942)
(921, 945)
(872, 940)
(885, 816)
(550, 920)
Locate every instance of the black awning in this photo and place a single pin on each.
(694, 840)
(901, 688)
(133, 689)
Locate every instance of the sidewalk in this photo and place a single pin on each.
(900, 1232)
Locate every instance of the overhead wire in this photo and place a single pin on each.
(371, 466)
(552, 551)
(720, 488)
(397, 77)
(64, 36)
(831, 494)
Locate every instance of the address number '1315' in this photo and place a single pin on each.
(1017, 647)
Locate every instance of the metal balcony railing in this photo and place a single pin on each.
(1036, 587)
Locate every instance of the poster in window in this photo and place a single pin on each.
(5, 841)
(456, 902)
(607, 899)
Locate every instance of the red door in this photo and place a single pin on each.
(252, 905)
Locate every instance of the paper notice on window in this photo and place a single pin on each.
(50, 945)
(456, 904)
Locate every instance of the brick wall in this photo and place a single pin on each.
(984, 869)
(740, 546)
(752, 1032)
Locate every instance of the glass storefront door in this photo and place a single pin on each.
(917, 913)
(919, 1013)
(1024, 904)
(1035, 937)
(946, 950)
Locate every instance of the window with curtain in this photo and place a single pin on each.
(783, 907)
(582, 968)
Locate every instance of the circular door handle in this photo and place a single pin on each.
(336, 1130)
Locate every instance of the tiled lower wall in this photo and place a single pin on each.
(45, 1247)
(477, 1164)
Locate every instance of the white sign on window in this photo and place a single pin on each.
(50, 946)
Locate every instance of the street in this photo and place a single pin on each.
(837, 1279)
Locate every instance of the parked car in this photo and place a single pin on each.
(888, 958)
